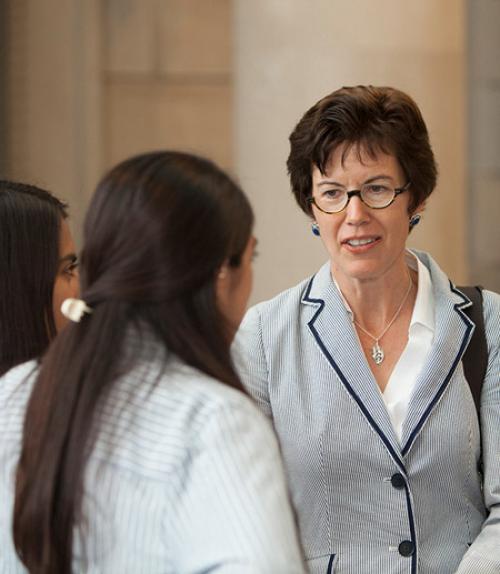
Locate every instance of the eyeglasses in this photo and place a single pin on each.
(374, 195)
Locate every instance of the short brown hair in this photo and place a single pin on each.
(372, 118)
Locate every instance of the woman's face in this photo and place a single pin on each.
(234, 285)
(382, 232)
(66, 284)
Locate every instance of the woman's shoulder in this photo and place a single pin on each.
(15, 389)
(491, 301)
(285, 302)
(203, 396)
(183, 376)
(491, 311)
(160, 381)
(17, 382)
(157, 417)
(20, 372)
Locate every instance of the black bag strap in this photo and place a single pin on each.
(475, 359)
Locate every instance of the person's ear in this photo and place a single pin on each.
(222, 273)
(222, 281)
(416, 216)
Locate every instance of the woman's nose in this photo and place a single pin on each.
(357, 212)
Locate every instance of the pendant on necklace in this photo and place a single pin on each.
(377, 353)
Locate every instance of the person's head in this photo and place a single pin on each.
(361, 166)
(167, 257)
(372, 121)
(169, 231)
(37, 270)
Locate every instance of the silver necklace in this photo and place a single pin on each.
(377, 351)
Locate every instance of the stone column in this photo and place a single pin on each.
(484, 142)
(53, 98)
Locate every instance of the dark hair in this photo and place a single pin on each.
(158, 229)
(30, 223)
(373, 119)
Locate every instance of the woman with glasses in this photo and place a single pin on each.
(360, 366)
(134, 448)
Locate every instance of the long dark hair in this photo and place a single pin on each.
(30, 223)
(158, 229)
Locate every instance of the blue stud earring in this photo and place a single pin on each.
(315, 228)
(414, 220)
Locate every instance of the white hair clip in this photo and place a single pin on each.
(74, 309)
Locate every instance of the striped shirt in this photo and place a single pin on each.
(366, 500)
(185, 476)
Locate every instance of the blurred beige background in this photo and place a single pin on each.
(85, 83)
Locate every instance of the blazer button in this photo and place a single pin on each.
(397, 480)
(406, 548)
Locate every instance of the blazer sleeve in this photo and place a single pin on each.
(483, 557)
(236, 516)
(250, 359)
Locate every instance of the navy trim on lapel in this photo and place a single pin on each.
(397, 459)
(330, 564)
(465, 341)
(412, 531)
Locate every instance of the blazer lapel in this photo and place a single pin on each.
(453, 330)
(344, 354)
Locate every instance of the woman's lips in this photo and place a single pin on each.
(361, 244)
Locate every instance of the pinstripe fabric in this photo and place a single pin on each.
(185, 477)
(300, 358)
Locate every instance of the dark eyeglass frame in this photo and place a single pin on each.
(357, 192)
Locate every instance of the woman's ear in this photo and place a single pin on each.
(223, 271)
(414, 220)
(222, 284)
(416, 216)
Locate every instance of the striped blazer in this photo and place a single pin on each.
(366, 503)
(185, 477)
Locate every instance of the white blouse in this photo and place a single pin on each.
(401, 384)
